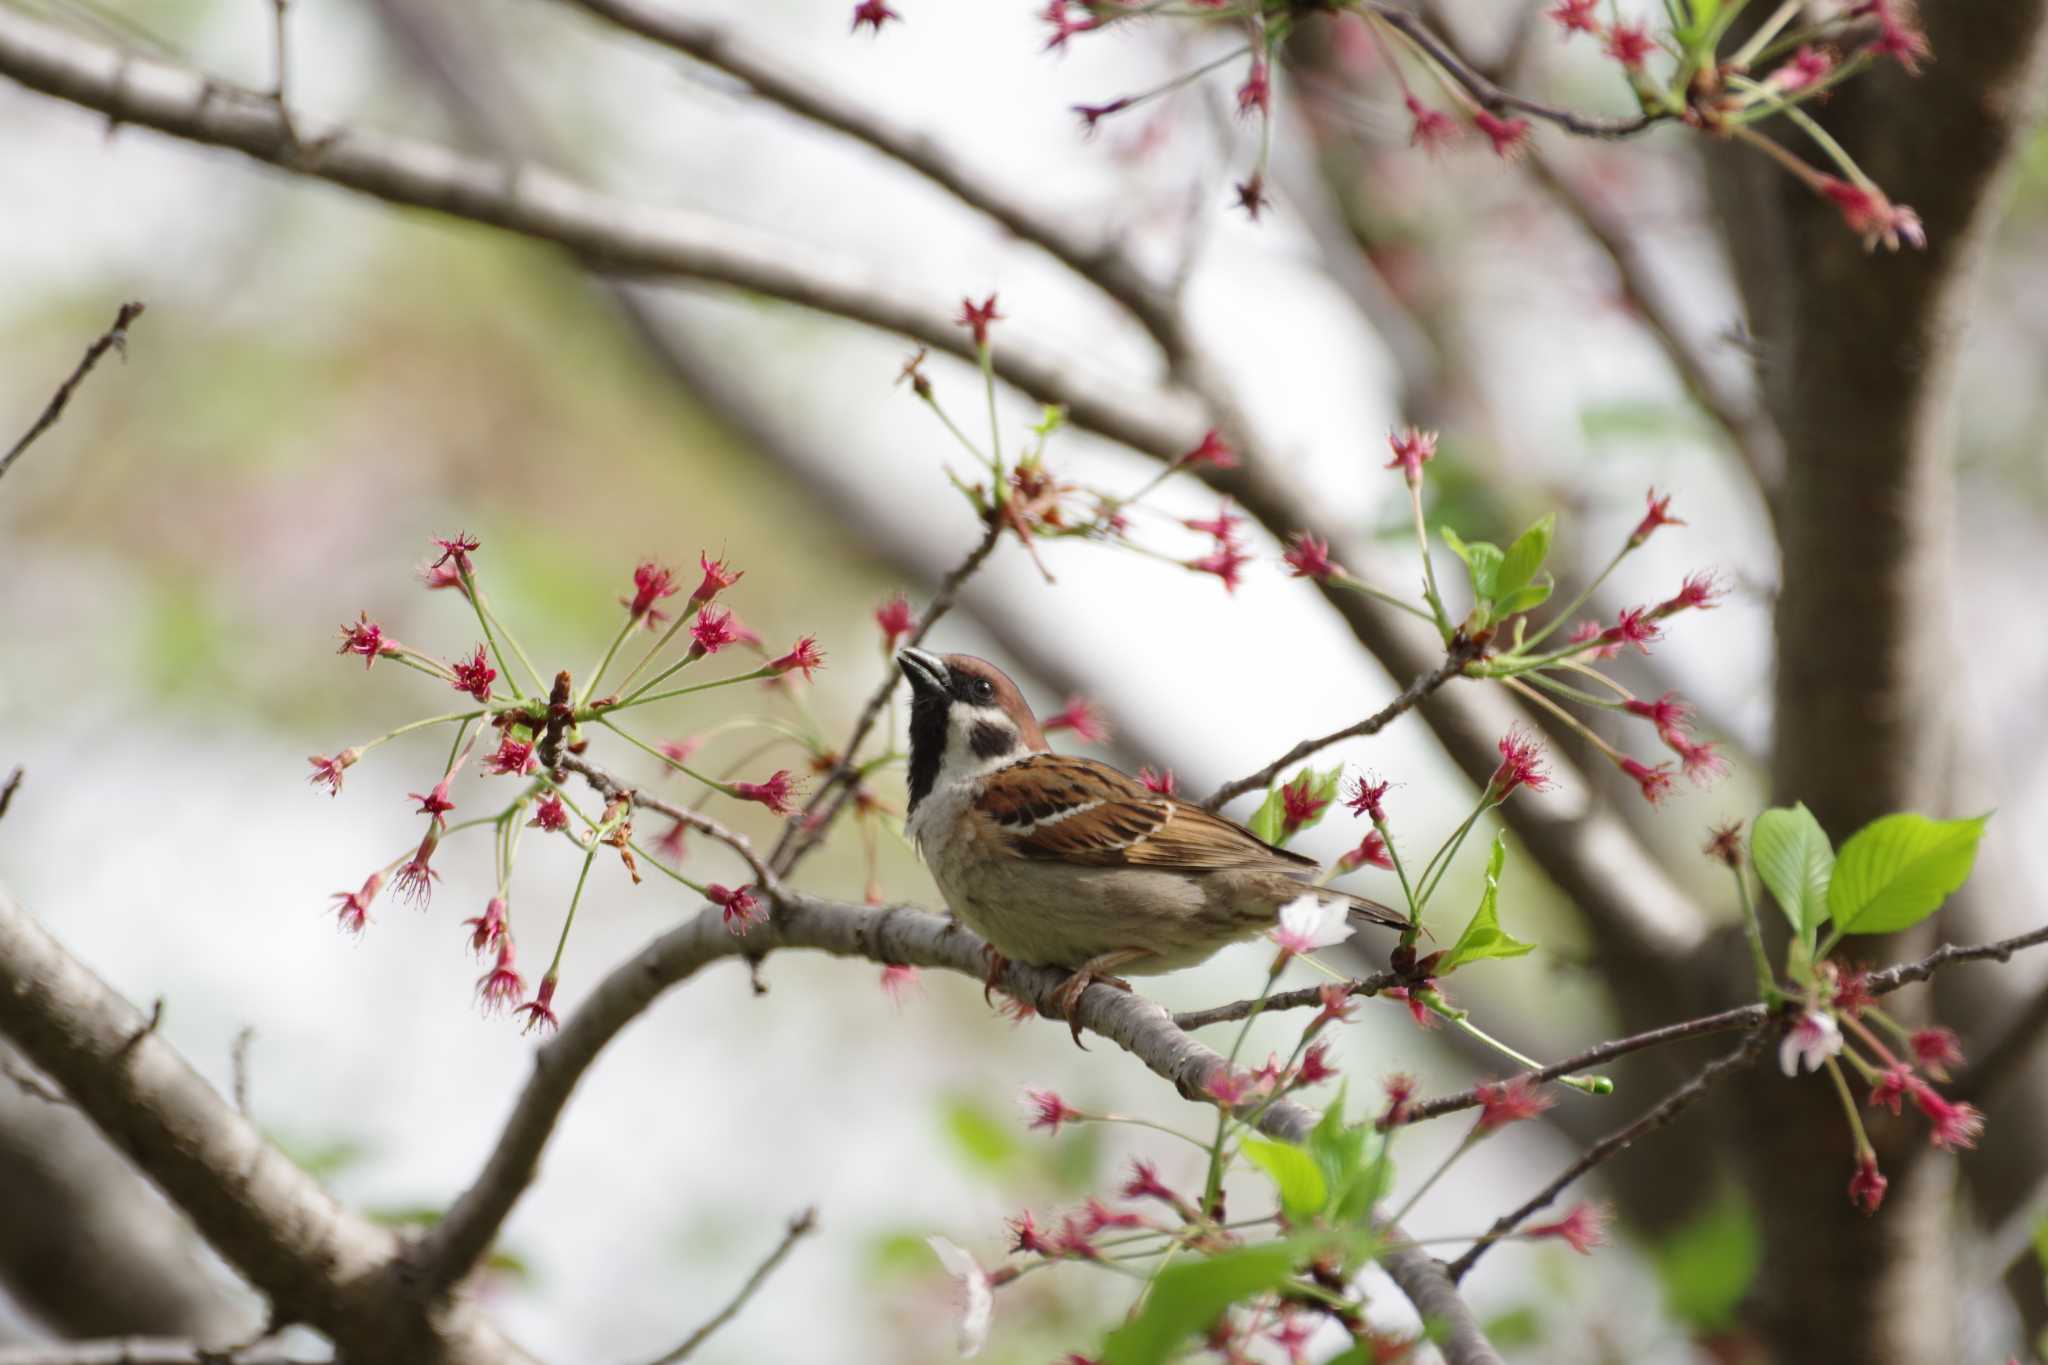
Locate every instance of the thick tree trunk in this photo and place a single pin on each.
(1858, 356)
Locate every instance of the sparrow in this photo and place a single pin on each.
(1065, 861)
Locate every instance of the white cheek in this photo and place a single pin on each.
(960, 760)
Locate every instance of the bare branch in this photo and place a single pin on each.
(611, 787)
(1461, 652)
(142, 1351)
(1667, 1109)
(799, 1227)
(12, 785)
(1191, 1020)
(115, 338)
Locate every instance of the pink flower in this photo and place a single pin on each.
(742, 912)
(1256, 94)
(1338, 1006)
(1807, 67)
(976, 317)
(1668, 712)
(1063, 26)
(1092, 114)
(1083, 717)
(1025, 1237)
(651, 583)
(775, 793)
(365, 637)
(1308, 555)
(1586, 631)
(500, 987)
(1227, 563)
(1372, 849)
(1400, 1088)
(1701, 590)
(512, 758)
(1582, 1229)
(1956, 1126)
(679, 751)
(353, 910)
(440, 575)
(712, 631)
(1162, 782)
(1521, 765)
(1867, 1186)
(457, 552)
(1510, 137)
(1874, 218)
(1898, 35)
(1701, 761)
(1633, 627)
(718, 576)
(1099, 1217)
(416, 879)
(804, 655)
(1937, 1049)
(1724, 844)
(1049, 1111)
(1430, 129)
(1629, 44)
(873, 13)
(1413, 449)
(1366, 797)
(1145, 1183)
(1655, 782)
(540, 1011)
(1227, 1086)
(1509, 1102)
(898, 981)
(896, 621)
(1658, 515)
(1852, 992)
(551, 816)
(1417, 1000)
(1299, 804)
(1223, 526)
(486, 929)
(1889, 1090)
(327, 772)
(1309, 922)
(1580, 16)
(1315, 1065)
(435, 804)
(474, 675)
(1213, 451)
(1812, 1039)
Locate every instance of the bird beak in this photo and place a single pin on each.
(926, 672)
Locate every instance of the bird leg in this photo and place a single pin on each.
(1066, 997)
(996, 963)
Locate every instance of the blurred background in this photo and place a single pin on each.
(323, 383)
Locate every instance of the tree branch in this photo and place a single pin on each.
(115, 338)
(799, 1227)
(140, 1351)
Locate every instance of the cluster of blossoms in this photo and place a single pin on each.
(1678, 74)
(530, 735)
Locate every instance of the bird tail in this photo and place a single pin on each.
(1364, 910)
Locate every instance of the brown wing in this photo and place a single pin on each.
(1079, 811)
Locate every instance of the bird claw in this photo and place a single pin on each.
(996, 965)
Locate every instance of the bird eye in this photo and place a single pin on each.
(983, 690)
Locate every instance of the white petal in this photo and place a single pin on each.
(981, 1302)
(1788, 1054)
(1309, 922)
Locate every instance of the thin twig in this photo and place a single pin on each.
(1669, 1108)
(239, 1056)
(610, 787)
(1191, 1020)
(802, 834)
(1493, 98)
(1454, 663)
(115, 338)
(1906, 973)
(799, 1227)
(13, 785)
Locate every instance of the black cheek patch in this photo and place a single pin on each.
(989, 740)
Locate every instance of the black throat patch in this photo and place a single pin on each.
(927, 744)
(990, 740)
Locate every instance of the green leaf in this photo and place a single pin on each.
(1484, 937)
(1189, 1295)
(1707, 1265)
(1482, 561)
(1518, 1329)
(1524, 557)
(984, 1141)
(1795, 860)
(1295, 1173)
(1525, 598)
(1896, 871)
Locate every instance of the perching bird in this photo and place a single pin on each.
(1067, 862)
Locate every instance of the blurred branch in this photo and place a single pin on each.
(13, 785)
(115, 338)
(799, 1227)
(141, 1351)
(1103, 264)
(318, 1263)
